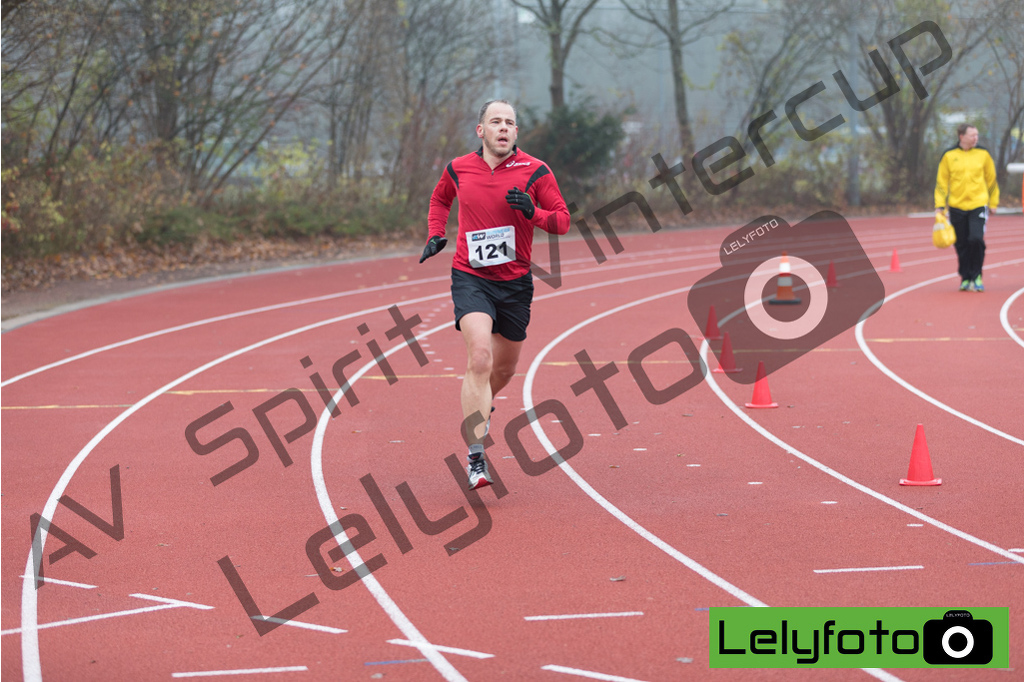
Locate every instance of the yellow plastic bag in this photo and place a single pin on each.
(942, 234)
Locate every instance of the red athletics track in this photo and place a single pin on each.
(696, 503)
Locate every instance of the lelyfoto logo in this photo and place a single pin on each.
(860, 637)
(767, 256)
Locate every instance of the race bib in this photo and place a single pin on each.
(493, 246)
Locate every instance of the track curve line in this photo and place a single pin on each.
(664, 546)
(605, 504)
(211, 320)
(549, 447)
(1004, 316)
(29, 615)
(789, 449)
(389, 606)
(859, 331)
(691, 251)
(31, 664)
(306, 301)
(327, 506)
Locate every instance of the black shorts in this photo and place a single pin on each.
(508, 303)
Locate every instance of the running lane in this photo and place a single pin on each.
(550, 550)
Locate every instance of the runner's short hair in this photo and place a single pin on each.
(961, 129)
(483, 109)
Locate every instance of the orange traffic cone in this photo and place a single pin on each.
(711, 331)
(894, 265)
(920, 471)
(784, 290)
(831, 282)
(762, 396)
(727, 363)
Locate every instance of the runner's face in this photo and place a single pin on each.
(969, 139)
(499, 130)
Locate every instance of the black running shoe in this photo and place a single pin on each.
(479, 475)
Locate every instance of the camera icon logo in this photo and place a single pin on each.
(772, 295)
(957, 639)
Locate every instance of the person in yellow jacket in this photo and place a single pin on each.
(966, 184)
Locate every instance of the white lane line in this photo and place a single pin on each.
(327, 507)
(99, 616)
(29, 612)
(1005, 320)
(606, 267)
(243, 671)
(548, 446)
(297, 303)
(588, 674)
(873, 568)
(211, 320)
(650, 537)
(167, 604)
(31, 665)
(66, 582)
(585, 615)
(789, 449)
(175, 602)
(859, 331)
(300, 624)
(437, 647)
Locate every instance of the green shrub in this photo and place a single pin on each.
(185, 225)
(93, 201)
(575, 141)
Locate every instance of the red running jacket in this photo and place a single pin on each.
(481, 193)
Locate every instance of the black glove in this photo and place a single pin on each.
(520, 201)
(434, 245)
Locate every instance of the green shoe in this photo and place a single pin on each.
(977, 285)
(965, 285)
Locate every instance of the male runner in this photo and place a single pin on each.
(966, 183)
(503, 194)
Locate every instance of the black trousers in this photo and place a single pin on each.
(970, 239)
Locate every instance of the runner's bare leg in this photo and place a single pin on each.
(506, 357)
(491, 364)
(476, 386)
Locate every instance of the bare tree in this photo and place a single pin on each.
(664, 15)
(1005, 41)
(59, 80)
(904, 119)
(220, 75)
(777, 51)
(562, 26)
(441, 68)
(206, 79)
(9, 6)
(355, 83)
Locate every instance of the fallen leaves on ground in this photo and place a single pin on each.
(134, 261)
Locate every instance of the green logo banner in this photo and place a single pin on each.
(860, 637)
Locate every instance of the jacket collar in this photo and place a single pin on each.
(480, 152)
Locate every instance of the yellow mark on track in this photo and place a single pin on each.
(63, 407)
(942, 338)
